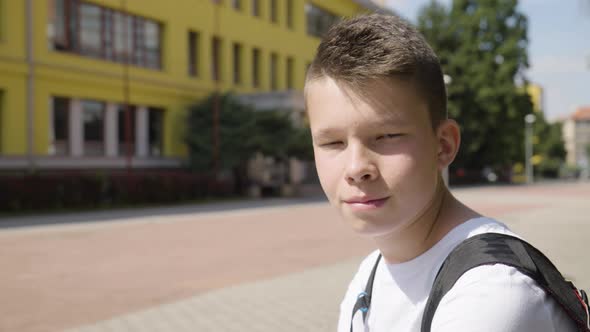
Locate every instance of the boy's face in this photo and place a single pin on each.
(377, 160)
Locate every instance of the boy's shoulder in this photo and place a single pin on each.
(499, 297)
(443, 248)
(424, 267)
(478, 297)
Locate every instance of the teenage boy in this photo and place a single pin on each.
(376, 102)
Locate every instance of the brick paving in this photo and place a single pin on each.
(283, 267)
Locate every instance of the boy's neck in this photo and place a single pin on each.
(443, 214)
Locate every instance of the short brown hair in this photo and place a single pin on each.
(375, 47)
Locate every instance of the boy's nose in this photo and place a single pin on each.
(361, 167)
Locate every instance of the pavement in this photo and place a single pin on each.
(268, 265)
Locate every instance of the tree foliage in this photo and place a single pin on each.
(549, 146)
(482, 46)
(243, 131)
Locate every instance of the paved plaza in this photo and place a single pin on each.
(269, 265)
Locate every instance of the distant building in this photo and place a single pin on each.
(576, 134)
(88, 84)
(537, 97)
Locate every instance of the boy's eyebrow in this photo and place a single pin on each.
(325, 132)
(388, 124)
(393, 121)
(376, 126)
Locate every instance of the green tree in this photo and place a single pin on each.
(549, 145)
(236, 128)
(243, 131)
(482, 46)
(279, 138)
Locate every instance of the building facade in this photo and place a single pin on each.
(105, 84)
(576, 135)
(537, 97)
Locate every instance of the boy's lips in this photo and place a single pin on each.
(364, 203)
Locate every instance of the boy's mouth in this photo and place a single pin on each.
(364, 203)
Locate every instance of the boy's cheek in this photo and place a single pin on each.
(327, 172)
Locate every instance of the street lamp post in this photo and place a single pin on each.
(529, 119)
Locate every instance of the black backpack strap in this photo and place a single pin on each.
(493, 248)
(363, 301)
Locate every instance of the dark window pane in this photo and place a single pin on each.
(60, 118)
(318, 20)
(58, 20)
(108, 30)
(139, 42)
(122, 36)
(61, 115)
(237, 58)
(151, 45)
(126, 129)
(273, 11)
(289, 9)
(93, 119)
(193, 52)
(215, 59)
(155, 131)
(255, 8)
(72, 17)
(256, 67)
(274, 59)
(289, 74)
(1, 116)
(90, 30)
(123, 126)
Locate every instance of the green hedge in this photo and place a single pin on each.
(92, 190)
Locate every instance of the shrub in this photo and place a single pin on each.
(79, 190)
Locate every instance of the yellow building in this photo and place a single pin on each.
(69, 67)
(537, 97)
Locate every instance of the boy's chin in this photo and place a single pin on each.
(368, 228)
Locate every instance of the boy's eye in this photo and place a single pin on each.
(388, 136)
(331, 144)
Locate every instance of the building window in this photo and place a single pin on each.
(193, 53)
(289, 72)
(256, 8)
(256, 67)
(216, 59)
(126, 129)
(93, 126)
(121, 41)
(1, 115)
(99, 32)
(237, 61)
(236, 4)
(131, 129)
(151, 42)
(61, 126)
(273, 11)
(60, 23)
(318, 20)
(155, 131)
(274, 59)
(90, 30)
(289, 9)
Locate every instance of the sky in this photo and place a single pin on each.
(559, 49)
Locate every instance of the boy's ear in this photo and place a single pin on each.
(448, 135)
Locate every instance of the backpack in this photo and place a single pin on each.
(488, 249)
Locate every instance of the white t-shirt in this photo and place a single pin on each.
(494, 298)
